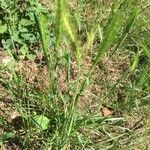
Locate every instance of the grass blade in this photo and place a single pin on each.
(42, 27)
(126, 30)
(59, 20)
(146, 49)
(109, 36)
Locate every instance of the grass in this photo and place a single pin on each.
(63, 64)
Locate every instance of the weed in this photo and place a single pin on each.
(64, 45)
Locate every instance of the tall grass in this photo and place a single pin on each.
(63, 25)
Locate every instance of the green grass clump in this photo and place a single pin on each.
(65, 35)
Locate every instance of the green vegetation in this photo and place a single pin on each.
(75, 74)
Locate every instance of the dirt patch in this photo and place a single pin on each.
(106, 72)
(34, 74)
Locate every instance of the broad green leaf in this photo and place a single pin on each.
(7, 44)
(24, 50)
(26, 36)
(15, 37)
(3, 28)
(22, 29)
(26, 22)
(41, 121)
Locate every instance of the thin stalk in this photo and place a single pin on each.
(59, 21)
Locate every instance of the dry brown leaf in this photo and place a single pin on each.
(106, 112)
(13, 114)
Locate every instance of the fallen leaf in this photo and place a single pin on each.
(41, 121)
(13, 115)
(106, 112)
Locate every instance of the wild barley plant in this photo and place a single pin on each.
(114, 34)
(61, 108)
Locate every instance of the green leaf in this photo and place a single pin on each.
(2, 121)
(128, 25)
(146, 50)
(4, 137)
(29, 37)
(59, 20)
(15, 37)
(7, 44)
(135, 62)
(110, 34)
(22, 29)
(41, 121)
(4, 4)
(3, 28)
(26, 22)
(31, 56)
(26, 36)
(41, 21)
(24, 50)
(112, 31)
